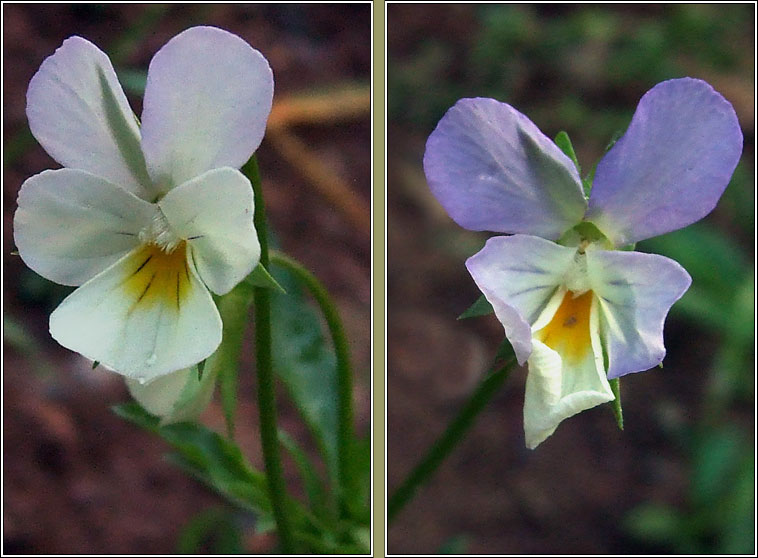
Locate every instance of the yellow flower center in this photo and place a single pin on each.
(158, 276)
(568, 333)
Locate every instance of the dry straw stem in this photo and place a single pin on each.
(342, 104)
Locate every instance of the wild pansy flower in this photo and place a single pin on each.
(576, 306)
(145, 218)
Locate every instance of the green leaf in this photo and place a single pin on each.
(456, 545)
(738, 519)
(214, 530)
(312, 482)
(358, 500)
(306, 366)
(481, 307)
(208, 456)
(654, 523)
(234, 310)
(715, 463)
(563, 141)
(133, 81)
(504, 352)
(616, 403)
(260, 277)
(719, 271)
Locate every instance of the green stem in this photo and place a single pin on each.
(344, 372)
(452, 435)
(266, 392)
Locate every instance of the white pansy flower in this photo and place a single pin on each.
(145, 219)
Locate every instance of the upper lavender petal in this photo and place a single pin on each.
(492, 169)
(670, 167)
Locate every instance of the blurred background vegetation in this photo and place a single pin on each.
(681, 478)
(77, 478)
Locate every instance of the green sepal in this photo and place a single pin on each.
(583, 232)
(260, 277)
(563, 141)
(200, 368)
(234, 310)
(95, 364)
(505, 352)
(616, 403)
(192, 400)
(481, 307)
(590, 178)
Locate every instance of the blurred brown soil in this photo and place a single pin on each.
(77, 479)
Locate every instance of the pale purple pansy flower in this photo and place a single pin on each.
(575, 307)
(146, 219)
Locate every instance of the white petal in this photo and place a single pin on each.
(214, 212)
(176, 397)
(518, 275)
(79, 114)
(207, 100)
(635, 291)
(145, 316)
(71, 225)
(558, 385)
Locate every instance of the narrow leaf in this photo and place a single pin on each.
(312, 482)
(214, 527)
(306, 366)
(210, 457)
(358, 500)
(505, 352)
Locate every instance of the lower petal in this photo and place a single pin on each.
(214, 212)
(566, 376)
(144, 317)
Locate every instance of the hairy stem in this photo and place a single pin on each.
(450, 437)
(266, 392)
